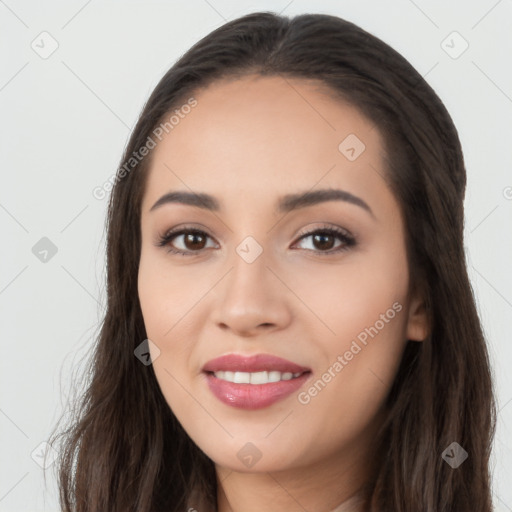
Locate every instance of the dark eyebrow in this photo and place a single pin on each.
(198, 199)
(285, 204)
(291, 202)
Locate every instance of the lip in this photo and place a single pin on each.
(255, 363)
(253, 396)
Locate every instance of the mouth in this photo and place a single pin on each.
(257, 378)
(253, 363)
(253, 382)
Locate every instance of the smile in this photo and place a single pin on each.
(255, 390)
(255, 377)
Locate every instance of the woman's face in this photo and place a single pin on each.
(263, 275)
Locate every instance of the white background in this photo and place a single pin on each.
(65, 121)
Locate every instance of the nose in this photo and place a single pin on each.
(252, 299)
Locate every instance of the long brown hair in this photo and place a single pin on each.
(124, 449)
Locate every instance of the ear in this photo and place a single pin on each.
(417, 320)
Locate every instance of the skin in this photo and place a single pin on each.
(248, 142)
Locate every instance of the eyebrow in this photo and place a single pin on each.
(285, 204)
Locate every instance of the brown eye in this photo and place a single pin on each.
(323, 241)
(188, 241)
(194, 241)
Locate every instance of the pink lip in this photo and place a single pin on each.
(256, 363)
(253, 396)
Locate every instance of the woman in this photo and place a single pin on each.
(290, 324)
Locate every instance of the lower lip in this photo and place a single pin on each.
(253, 396)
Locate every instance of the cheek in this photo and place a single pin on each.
(360, 331)
(162, 307)
(166, 295)
(170, 305)
(350, 297)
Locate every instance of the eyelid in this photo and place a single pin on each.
(325, 227)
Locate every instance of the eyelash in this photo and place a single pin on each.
(348, 241)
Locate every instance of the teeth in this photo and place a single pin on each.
(255, 377)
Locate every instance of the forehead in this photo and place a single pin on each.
(259, 137)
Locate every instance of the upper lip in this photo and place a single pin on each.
(254, 363)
